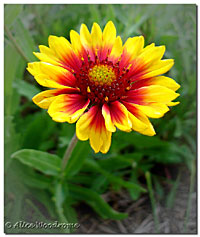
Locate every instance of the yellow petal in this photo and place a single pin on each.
(109, 34)
(137, 124)
(140, 122)
(91, 125)
(75, 41)
(119, 116)
(148, 47)
(106, 137)
(95, 140)
(160, 81)
(142, 125)
(173, 103)
(116, 50)
(86, 41)
(51, 76)
(83, 128)
(59, 45)
(152, 55)
(159, 68)
(68, 107)
(64, 51)
(85, 36)
(44, 99)
(96, 35)
(153, 110)
(155, 93)
(108, 122)
(134, 46)
(165, 81)
(47, 58)
(46, 50)
(47, 55)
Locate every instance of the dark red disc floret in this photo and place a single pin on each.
(100, 93)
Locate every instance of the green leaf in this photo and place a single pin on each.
(24, 40)
(121, 161)
(11, 57)
(11, 13)
(142, 141)
(121, 182)
(99, 184)
(96, 202)
(35, 180)
(35, 126)
(69, 211)
(112, 178)
(63, 203)
(15, 188)
(82, 179)
(46, 163)
(11, 140)
(78, 156)
(60, 195)
(187, 155)
(165, 155)
(43, 196)
(134, 193)
(25, 89)
(30, 177)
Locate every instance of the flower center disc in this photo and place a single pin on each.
(101, 74)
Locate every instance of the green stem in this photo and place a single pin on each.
(68, 151)
(12, 39)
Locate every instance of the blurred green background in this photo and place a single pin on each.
(139, 161)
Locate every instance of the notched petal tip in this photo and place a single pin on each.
(30, 68)
(52, 37)
(141, 39)
(162, 49)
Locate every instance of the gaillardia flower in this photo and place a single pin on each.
(102, 84)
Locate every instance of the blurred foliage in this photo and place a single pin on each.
(35, 189)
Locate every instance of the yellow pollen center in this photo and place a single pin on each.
(101, 74)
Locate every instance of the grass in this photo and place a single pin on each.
(153, 201)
